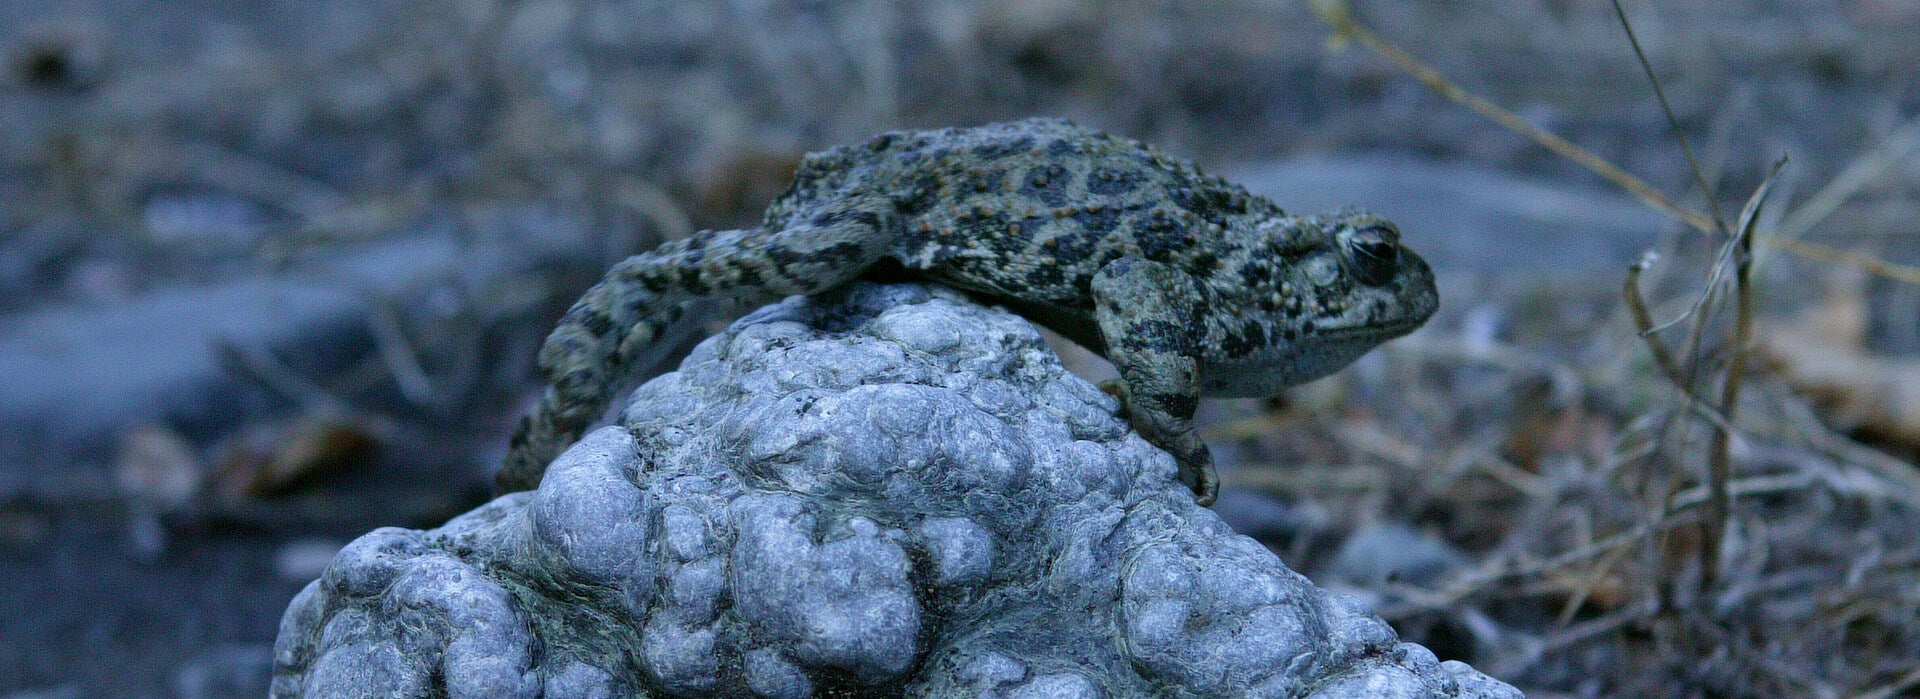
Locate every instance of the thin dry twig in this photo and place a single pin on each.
(1906, 682)
(1719, 470)
(1863, 170)
(1592, 580)
(1643, 321)
(1871, 265)
(1679, 133)
(258, 363)
(1631, 614)
(398, 353)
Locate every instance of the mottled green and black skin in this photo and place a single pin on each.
(1189, 284)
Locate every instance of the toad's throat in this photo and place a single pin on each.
(1270, 369)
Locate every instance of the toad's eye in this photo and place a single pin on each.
(1373, 253)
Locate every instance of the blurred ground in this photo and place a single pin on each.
(272, 274)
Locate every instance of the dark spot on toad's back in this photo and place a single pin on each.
(921, 195)
(1047, 183)
(1098, 221)
(1108, 181)
(982, 182)
(1161, 239)
(1205, 263)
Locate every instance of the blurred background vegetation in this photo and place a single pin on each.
(272, 273)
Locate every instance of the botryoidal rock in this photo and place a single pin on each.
(884, 491)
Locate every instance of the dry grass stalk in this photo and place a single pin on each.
(1643, 319)
(1719, 508)
(1666, 107)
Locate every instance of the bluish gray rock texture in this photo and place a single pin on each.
(884, 491)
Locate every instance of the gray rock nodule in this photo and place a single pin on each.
(885, 491)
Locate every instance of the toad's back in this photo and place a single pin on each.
(1025, 211)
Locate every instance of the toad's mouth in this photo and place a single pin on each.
(1379, 332)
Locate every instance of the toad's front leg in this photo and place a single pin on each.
(1149, 317)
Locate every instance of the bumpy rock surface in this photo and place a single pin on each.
(886, 491)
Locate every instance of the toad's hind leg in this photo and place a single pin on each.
(588, 355)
